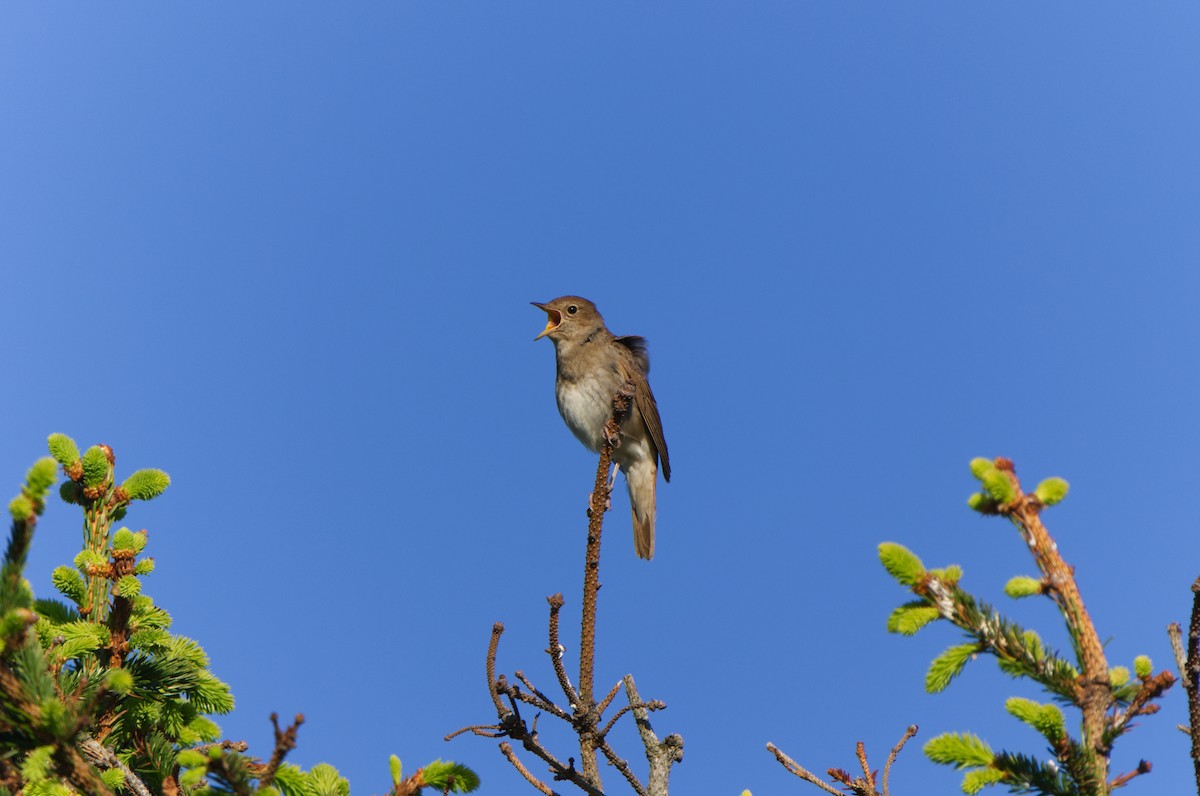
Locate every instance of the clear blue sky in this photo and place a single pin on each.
(285, 251)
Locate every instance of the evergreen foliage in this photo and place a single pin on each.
(1107, 698)
(97, 694)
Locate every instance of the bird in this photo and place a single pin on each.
(593, 364)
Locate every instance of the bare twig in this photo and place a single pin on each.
(604, 703)
(661, 754)
(859, 786)
(555, 651)
(493, 645)
(1190, 673)
(99, 755)
(538, 699)
(887, 767)
(285, 741)
(507, 750)
(800, 771)
(1143, 768)
(622, 766)
(860, 751)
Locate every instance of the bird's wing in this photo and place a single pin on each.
(643, 398)
(637, 346)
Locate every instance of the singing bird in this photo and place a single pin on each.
(593, 365)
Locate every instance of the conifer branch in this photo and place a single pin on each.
(101, 756)
(1093, 691)
(285, 741)
(493, 645)
(660, 754)
(585, 715)
(866, 785)
(887, 767)
(800, 771)
(507, 750)
(555, 651)
(1107, 699)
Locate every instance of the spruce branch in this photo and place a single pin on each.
(1106, 697)
(1093, 691)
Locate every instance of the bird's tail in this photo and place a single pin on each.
(642, 479)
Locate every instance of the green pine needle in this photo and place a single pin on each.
(947, 666)
(69, 583)
(961, 750)
(36, 767)
(20, 508)
(949, 575)
(63, 449)
(396, 769)
(1052, 491)
(128, 586)
(911, 617)
(119, 681)
(325, 780)
(146, 484)
(1142, 666)
(1023, 586)
(95, 466)
(114, 778)
(981, 503)
(41, 476)
(454, 777)
(980, 778)
(981, 466)
(1046, 719)
(70, 492)
(901, 563)
(998, 486)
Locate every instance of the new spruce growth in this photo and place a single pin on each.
(1107, 698)
(97, 694)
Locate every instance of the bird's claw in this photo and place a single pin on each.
(612, 435)
(592, 503)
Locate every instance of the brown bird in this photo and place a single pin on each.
(593, 365)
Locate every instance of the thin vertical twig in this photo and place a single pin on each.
(601, 493)
(887, 767)
(1190, 679)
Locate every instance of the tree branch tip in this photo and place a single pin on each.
(556, 600)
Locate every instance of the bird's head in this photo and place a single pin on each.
(569, 318)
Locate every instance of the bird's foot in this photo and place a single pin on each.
(592, 503)
(612, 434)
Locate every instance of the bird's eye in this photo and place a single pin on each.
(571, 310)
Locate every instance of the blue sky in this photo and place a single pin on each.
(285, 251)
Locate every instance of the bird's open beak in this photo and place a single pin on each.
(553, 319)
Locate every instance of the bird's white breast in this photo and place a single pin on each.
(586, 405)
